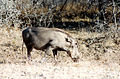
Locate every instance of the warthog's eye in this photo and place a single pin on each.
(75, 43)
(72, 46)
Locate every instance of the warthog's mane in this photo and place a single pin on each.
(60, 30)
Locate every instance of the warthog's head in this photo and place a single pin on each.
(74, 49)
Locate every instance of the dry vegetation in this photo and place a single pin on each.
(70, 13)
(100, 58)
(100, 52)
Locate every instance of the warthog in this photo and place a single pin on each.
(50, 40)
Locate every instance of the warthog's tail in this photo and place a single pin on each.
(22, 47)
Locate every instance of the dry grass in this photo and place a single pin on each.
(99, 60)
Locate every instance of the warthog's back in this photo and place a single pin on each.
(50, 30)
(39, 36)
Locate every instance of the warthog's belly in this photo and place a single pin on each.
(43, 47)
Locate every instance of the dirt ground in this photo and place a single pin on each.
(99, 59)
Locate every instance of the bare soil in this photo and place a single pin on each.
(99, 59)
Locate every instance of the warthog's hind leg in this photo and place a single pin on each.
(29, 49)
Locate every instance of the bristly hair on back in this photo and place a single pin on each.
(60, 30)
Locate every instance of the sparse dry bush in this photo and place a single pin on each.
(8, 13)
(41, 13)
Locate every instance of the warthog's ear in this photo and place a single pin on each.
(68, 40)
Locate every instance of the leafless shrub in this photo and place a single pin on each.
(45, 13)
(8, 12)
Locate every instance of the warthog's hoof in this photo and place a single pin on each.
(75, 59)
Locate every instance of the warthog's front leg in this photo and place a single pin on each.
(54, 54)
